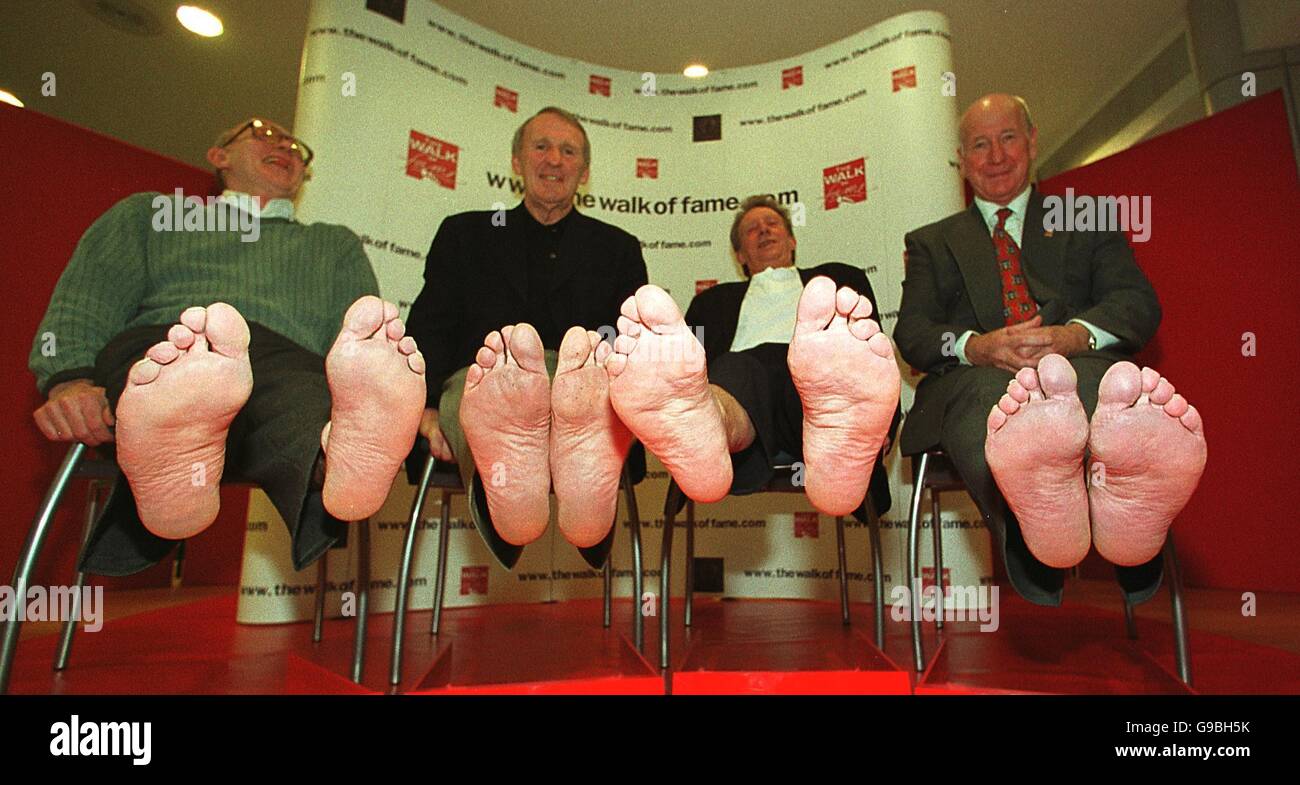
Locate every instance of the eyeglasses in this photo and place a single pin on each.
(266, 133)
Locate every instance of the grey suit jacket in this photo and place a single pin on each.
(952, 285)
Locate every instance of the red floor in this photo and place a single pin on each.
(737, 646)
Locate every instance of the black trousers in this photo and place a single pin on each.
(274, 442)
(964, 431)
(759, 380)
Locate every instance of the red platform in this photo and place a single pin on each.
(734, 647)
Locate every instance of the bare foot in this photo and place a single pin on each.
(506, 414)
(376, 378)
(843, 367)
(1152, 447)
(660, 389)
(1036, 436)
(588, 441)
(173, 417)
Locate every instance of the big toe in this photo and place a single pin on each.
(1121, 385)
(655, 307)
(574, 350)
(364, 317)
(1056, 376)
(816, 305)
(226, 330)
(526, 348)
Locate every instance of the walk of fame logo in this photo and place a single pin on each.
(705, 283)
(846, 182)
(904, 77)
(599, 85)
(432, 159)
(806, 524)
(792, 77)
(506, 98)
(647, 168)
(474, 579)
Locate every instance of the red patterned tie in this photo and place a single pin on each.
(1017, 305)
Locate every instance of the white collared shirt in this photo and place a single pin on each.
(275, 208)
(770, 308)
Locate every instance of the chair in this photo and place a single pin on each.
(76, 467)
(782, 482)
(933, 470)
(446, 478)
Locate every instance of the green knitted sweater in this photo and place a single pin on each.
(293, 279)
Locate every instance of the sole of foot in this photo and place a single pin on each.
(1036, 437)
(174, 416)
(506, 416)
(377, 392)
(844, 369)
(659, 387)
(589, 443)
(1148, 452)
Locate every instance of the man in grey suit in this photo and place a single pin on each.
(1007, 319)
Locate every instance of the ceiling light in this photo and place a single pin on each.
(199, 21)
(695, 71)
(7, 97)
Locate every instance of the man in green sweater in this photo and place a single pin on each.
(257, 375)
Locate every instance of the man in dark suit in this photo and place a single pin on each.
(522, 278)
(746, 342)
(994, 302)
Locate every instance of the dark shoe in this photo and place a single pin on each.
(504, 552)
(596, 555)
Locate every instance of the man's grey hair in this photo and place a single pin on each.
(1024, 115)
(517, 144)
(752, 202)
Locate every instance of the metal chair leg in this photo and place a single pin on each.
(363, 598)
(318, 620)
(665, 602)
(690, 560)
(70, 623)
(607, 580)
(844, 575)
(877, 566)
(404, 572)
(1182, 651)
(31, 551)
(178, 565)
(1130, 624)
(914, 560)
(638, 619)
(936, 528)
(440, 572)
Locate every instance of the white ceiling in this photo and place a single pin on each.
(173, 92)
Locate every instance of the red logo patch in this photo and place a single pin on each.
(507, 98)
(927, 578)
(599, 85)
(647, 168)
(431, 158)
(703, 284)
(792, 77)
(805, 524)
(846, 182)
(474, 580)
(904, 77)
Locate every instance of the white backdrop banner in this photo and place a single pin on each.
(411, 110)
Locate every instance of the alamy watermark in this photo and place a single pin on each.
(121, 739)
(961, 603)
(181, 213)
(54, 603)
(1085, 213)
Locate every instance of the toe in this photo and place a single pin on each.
(627, 326)
(364, 317)
(1027, 378)
(1056, 376)
(602, 352)
(395, 329)
(615, 363)
(163, 352)
(195, 318)
(997, 418)
(415, 361)
(1162, 393)
(1017, 392)
(1121, 385)
(390, 311)
(879, 342)
(495, 342)
(1177, 406)
(226, 331)
(526, 348)
(574, 349)
(1191, 419)
(143, 372)
(407, 345)
(845, 301)
(1008, 404)
(629, 309)
(1150, 378)
(816, 305)
(656, 308)
(486, 358)
(182, 336)
(624, 344)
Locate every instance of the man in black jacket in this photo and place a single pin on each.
(538, 281)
